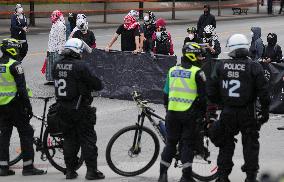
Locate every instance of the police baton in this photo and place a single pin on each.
(79, 102)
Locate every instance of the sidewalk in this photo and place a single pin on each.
(43, 25)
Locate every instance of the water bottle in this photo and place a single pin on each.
(162, 128)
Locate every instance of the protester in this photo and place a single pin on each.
(79, 16)
(77, 116)
(206, 19)
(272, 51)
(256, 49)
(19, 28)
(129, 32)
(149, 28)
(237, 84)
(56, 41)
(84, 33)
(192, 36)
(281, 6)
(162, 41)
(15, 110)
(71, 24)
(135, 14)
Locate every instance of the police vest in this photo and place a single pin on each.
(8, 88)
(183, 88)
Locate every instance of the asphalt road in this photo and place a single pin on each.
(116, 114)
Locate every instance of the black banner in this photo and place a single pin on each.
(274, 72)
(122, 71)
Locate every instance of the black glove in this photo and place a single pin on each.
(28, 111)
(47, 54)
(263, 116)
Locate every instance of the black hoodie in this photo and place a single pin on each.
(257, 47)
(204, 20)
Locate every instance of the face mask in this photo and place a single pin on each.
(191, 36)
(20, 10)
(206, 12)
(251, 33)
(158, 35)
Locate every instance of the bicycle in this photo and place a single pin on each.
(49, 144)
(130, 142)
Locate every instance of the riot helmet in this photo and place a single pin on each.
(238, 45)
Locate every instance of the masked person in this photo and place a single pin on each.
(130, 32)
(184, 98)
(236, 84)
(15, 110)
(74, 82)
(192, 36)
(19, 28)
(84, 33)
(162, 40)
(56, 41)
(72, 17)
(75, 29)
(256, 48)
(206, 19)
(272, 51)
(149, 28)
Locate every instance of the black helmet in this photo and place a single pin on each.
(191, 50)
(10, 47)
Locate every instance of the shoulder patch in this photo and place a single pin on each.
(19, 69)
(202, 75)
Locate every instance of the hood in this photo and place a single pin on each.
(208, 7)
(256, 32)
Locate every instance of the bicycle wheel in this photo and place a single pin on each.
(126, 160)
(53, 148)
(204, 166)
(15, 150)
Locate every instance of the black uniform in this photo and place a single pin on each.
(17, 113)
(181, 127)
(237, 84)
(74, 78)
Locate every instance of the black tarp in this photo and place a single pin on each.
(121, 71)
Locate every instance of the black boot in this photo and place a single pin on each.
(71, 174)
(93, 174)
(163, 177)
(190, 179)
(251, 177)
(222, 179)
(6, 172)
(32, 171)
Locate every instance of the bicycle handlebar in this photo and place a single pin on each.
(136, 96)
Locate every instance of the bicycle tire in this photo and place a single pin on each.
(149, 164)
(47, 148)
(209, 169)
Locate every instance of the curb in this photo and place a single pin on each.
(171, 22)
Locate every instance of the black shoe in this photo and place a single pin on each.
(163, 177)
(183, 179)
(33, 171)
(222, 179)
(281, 128)
(94, 174)
(6, 172)
(49, 83)
(70, 174)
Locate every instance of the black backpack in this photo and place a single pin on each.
(163, 44)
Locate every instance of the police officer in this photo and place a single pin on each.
(15, 109)
(237, 84)
(184, 95)
(74, 82)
